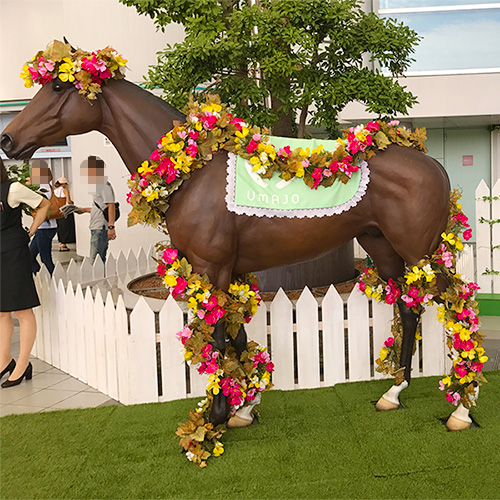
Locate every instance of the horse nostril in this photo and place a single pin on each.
(6, 142)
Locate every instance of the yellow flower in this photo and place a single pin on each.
(243, 133)
(368, 291)
(170, 280)
(188, 355)
(219, 449)
(304, 152)
(25, 75)
(213, 383)
(167, 139)
(66, 70)
(448, 237)
(318, 149)
(145, 168)
(192, 304)
(441, 314)
(483, 359)
(446, 380)
(383, 353)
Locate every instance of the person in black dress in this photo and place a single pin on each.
(17, 289)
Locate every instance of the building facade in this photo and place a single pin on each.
(456, 77)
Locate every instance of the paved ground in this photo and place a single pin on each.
(52, 389)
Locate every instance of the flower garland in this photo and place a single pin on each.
(86, 70)
(458, 312)
(240, 380)
(210, 127)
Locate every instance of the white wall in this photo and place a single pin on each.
(27, 26)
(474, 95)
(134, 237)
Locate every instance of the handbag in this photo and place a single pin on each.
(55, 206)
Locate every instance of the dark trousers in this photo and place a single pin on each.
(41, 243)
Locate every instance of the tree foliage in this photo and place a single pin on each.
(276, 60)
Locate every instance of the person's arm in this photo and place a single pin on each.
(111, 221)
(83, 210)
(40, 216)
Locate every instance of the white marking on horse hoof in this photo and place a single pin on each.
(384, 405)
(455, 424)
(236, 422)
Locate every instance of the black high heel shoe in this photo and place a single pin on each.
(28, 374)
(10, 368)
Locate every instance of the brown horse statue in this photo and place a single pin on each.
(398, 221)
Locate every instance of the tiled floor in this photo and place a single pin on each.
(50, 388)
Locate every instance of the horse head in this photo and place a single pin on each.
(56, 111)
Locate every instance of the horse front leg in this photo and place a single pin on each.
(220, 405)
(409, 320)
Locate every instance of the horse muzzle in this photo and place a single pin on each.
(8, 146)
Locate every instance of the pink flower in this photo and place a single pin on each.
(477, 367)
(179, 287)
(192, 149)
(461, 370)
(184, 334)
(129, 196)
(182, 134)
(170, 254)
(155, 155)
(211, 302)
(194, 134)
(442, 387)
(371, 126)
(270, 367)
(453, 398)
(468, 234)
(389, 342)
(161, 269)
(252, 146)
(284, 152)
(305, 164)
(143, 183)
(200, 313)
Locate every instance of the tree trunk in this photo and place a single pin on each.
(285, 124)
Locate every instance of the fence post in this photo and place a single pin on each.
(495, 235)
(122, 334)
(54, 323)
(121, 264)
(483, 238)
(62, 312)
(282, 341)
(74, 272)
(307, 340)
(110, 339)
(100, 342)
(333, 338)
(358, 336)
(90, 354)
(383, 314)
(71, 328)
(80, 320)
(173, 366)
(432, 343)
(257, 328)
(143, 383)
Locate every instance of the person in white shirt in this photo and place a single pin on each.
(41, 244)
(17, 290)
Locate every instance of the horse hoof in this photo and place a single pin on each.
(455, 424)
(236, 422)
(384, 405)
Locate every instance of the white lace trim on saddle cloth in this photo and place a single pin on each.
(268, 211)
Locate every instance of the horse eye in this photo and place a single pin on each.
(57, 87)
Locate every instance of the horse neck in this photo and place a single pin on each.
(134, 120)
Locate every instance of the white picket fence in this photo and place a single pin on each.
(488, 237)
(134, 357)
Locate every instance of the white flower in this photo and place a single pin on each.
(190, 456)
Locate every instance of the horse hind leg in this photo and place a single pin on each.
(391, 265)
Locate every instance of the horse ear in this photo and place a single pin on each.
(66, 41)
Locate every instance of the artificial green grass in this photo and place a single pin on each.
(320, 443)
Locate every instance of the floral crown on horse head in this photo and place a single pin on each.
(86, 70)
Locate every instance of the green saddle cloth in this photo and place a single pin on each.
(249, 194)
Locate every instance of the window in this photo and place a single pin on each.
(459, 36)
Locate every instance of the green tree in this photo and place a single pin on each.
(283, 63)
